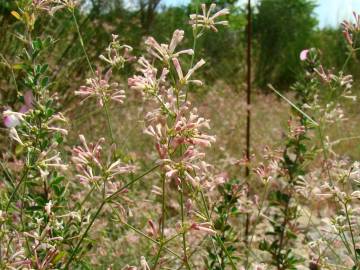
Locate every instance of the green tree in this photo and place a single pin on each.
(282, 29)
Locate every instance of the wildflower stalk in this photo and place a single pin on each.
(183, 225)
(13, 194)
(252, 232)
(162, 238)
(85, 233)
(81, 41)
(105, 200)
(325, 153)
(158, 255)
(218, 239)
(7, 174)
(148, 237)
(93, 73)
(163, 207)
(196, 35)
(108, 121)
(351, 232)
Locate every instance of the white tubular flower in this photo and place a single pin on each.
(188, 130)
(184, 80)
(118, 168)
(206, 20)
(101, 88)
(117, 55)
(165, 52)
(204, 227)
(87, 153)
(147, 83)
(15, 136)
(87, 176)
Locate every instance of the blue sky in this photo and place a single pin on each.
(329, 12)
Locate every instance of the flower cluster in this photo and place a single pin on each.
(116, 54)
(165, 52)
(90, 165)
(52, 6)
(351, 29)
(207, 20)
(101, 88)
(148, 83)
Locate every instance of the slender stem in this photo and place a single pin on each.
(109, 198)
(150, 239)
(183, 225)
(163, 210)
(7, 175)
(158, 255)
(162, 243)
(82, 41)
(106, 200)
(108, 121)
(218, 239)
(252, 233)
(325, 153)
(195, 36)
(85, 233)
(12, 196)
(22, 218)
(351, 231)
(93, 72)
(87, 196)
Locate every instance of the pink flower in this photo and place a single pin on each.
(116, 54)
(350, 29)
(101, 88)
(148, 82)
(165, 52)
(184, 80)
(90, 165)
(188, 130)
(12, 119)
(206, 20)
(304, 55)
(204, 227)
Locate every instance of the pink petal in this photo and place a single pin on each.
(304, 55)
(11, 121)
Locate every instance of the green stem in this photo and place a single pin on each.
(85, 233)
(351, 232)
(183, 225)
(108, 121)
(12, 196)
(82, 41)
(218, 239)
(162, 243)
(106, 200)
(163, 210)
(325, 153)
(158, 255)
(252, 233)
(150, 239)
(93, 72)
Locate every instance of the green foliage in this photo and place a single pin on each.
(225, 210)
(282, 29)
